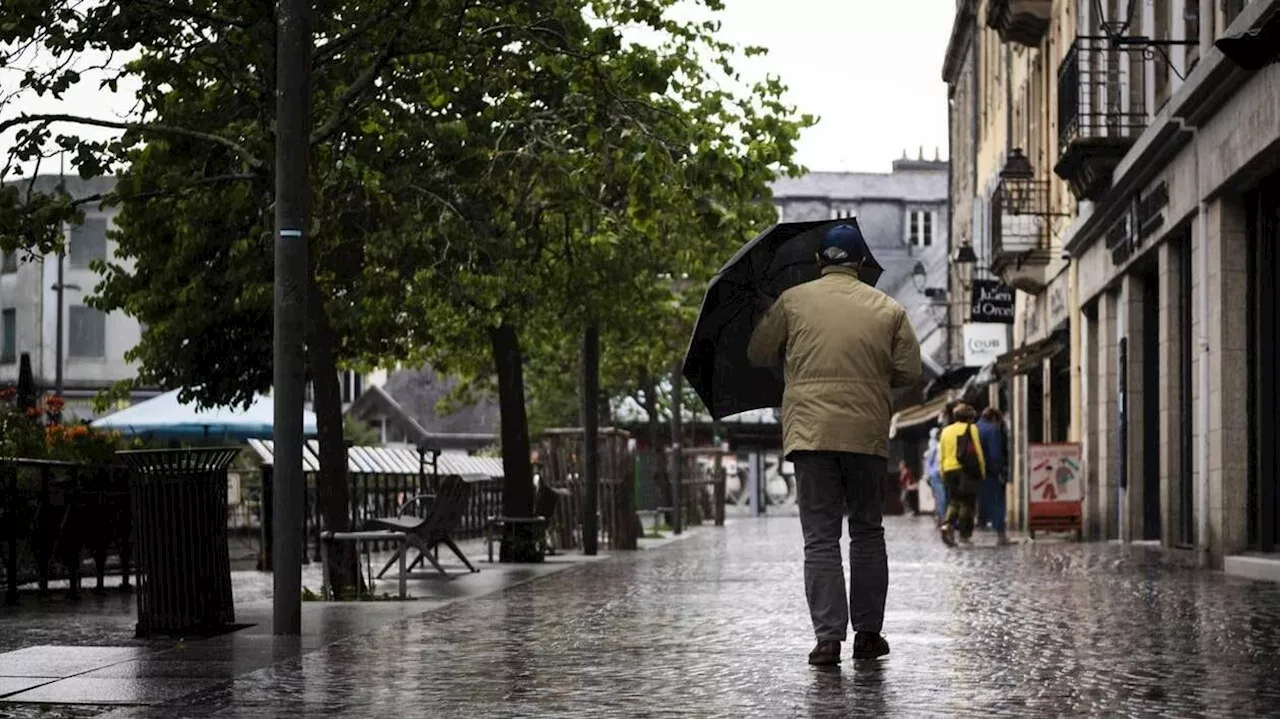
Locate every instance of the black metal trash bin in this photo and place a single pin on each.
(179, 504)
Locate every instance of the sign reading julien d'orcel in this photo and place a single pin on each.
(991, 301)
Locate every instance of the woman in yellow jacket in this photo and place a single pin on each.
(963, 468)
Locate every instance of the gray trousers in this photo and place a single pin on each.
(829, 485)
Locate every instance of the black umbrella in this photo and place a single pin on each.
(716, 365)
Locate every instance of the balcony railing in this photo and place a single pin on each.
(1102, 109)
(1020, 233)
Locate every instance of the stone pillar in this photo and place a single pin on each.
(1172, 414)
(1134, 328)
(1106, 487)
(1092, 439)
(1228, 281)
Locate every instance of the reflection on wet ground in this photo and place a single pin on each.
(716, 626)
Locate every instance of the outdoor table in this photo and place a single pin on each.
(368, 536)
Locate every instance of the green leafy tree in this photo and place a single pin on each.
(646, 173)
(395, 87)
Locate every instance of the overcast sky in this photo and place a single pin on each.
(870, 69)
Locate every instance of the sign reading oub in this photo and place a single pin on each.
(984, 342)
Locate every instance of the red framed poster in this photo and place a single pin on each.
(1056, 491)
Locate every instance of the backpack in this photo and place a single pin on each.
(967, 454)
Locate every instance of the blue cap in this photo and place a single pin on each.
(843, 244)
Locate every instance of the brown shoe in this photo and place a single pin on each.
(825, 654)
(948, 535)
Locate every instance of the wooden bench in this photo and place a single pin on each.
(370, 536)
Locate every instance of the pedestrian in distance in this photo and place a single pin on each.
(846, 346)
(910, 488)
(963, 469)
(995, 453)
(933, 474)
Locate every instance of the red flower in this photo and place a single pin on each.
(8, 393)
(54, 403)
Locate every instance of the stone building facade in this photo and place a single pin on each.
(1127, 175)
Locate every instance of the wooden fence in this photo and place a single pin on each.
(560, 466)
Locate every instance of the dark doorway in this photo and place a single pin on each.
(1150, 470)
(1264, 367)
(1060, 396)
(1035, 404)
(1186, 487)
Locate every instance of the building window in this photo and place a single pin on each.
(920, 228)
(9, 346)
(9, 264)
(88, 333)
(352, 386)
(1232, 9)
(843, 213)
(88, 242)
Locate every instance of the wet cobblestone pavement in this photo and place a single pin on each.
(716, 626)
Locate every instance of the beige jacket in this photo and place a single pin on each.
(844, 344)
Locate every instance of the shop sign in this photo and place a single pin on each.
(1142, 219)
(1033, 319)
(991, 301)
(1057, 300)
(984, 342)
(1150, 217)
(1055, 472)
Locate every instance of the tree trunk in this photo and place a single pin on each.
(677, 457)
(660, 476)
(590, 387)
(519, 542)
(332, 487)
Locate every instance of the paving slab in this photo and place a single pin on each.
(62, 661)
(13, 685)
(716, 626)
(155, 671)
(111, 690)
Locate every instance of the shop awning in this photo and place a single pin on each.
(923, 413)
(1028, 357)
(977, 383)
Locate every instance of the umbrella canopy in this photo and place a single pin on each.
(166, 417)
(716, 365)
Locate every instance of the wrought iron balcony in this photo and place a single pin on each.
(1102, 109)
(1020, 220)
(1024, 22)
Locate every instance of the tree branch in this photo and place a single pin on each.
(330, 50)
(190, 12)
(143, 127)
(116, 196)
(362, 83)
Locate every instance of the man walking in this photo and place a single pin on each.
(846, 345)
